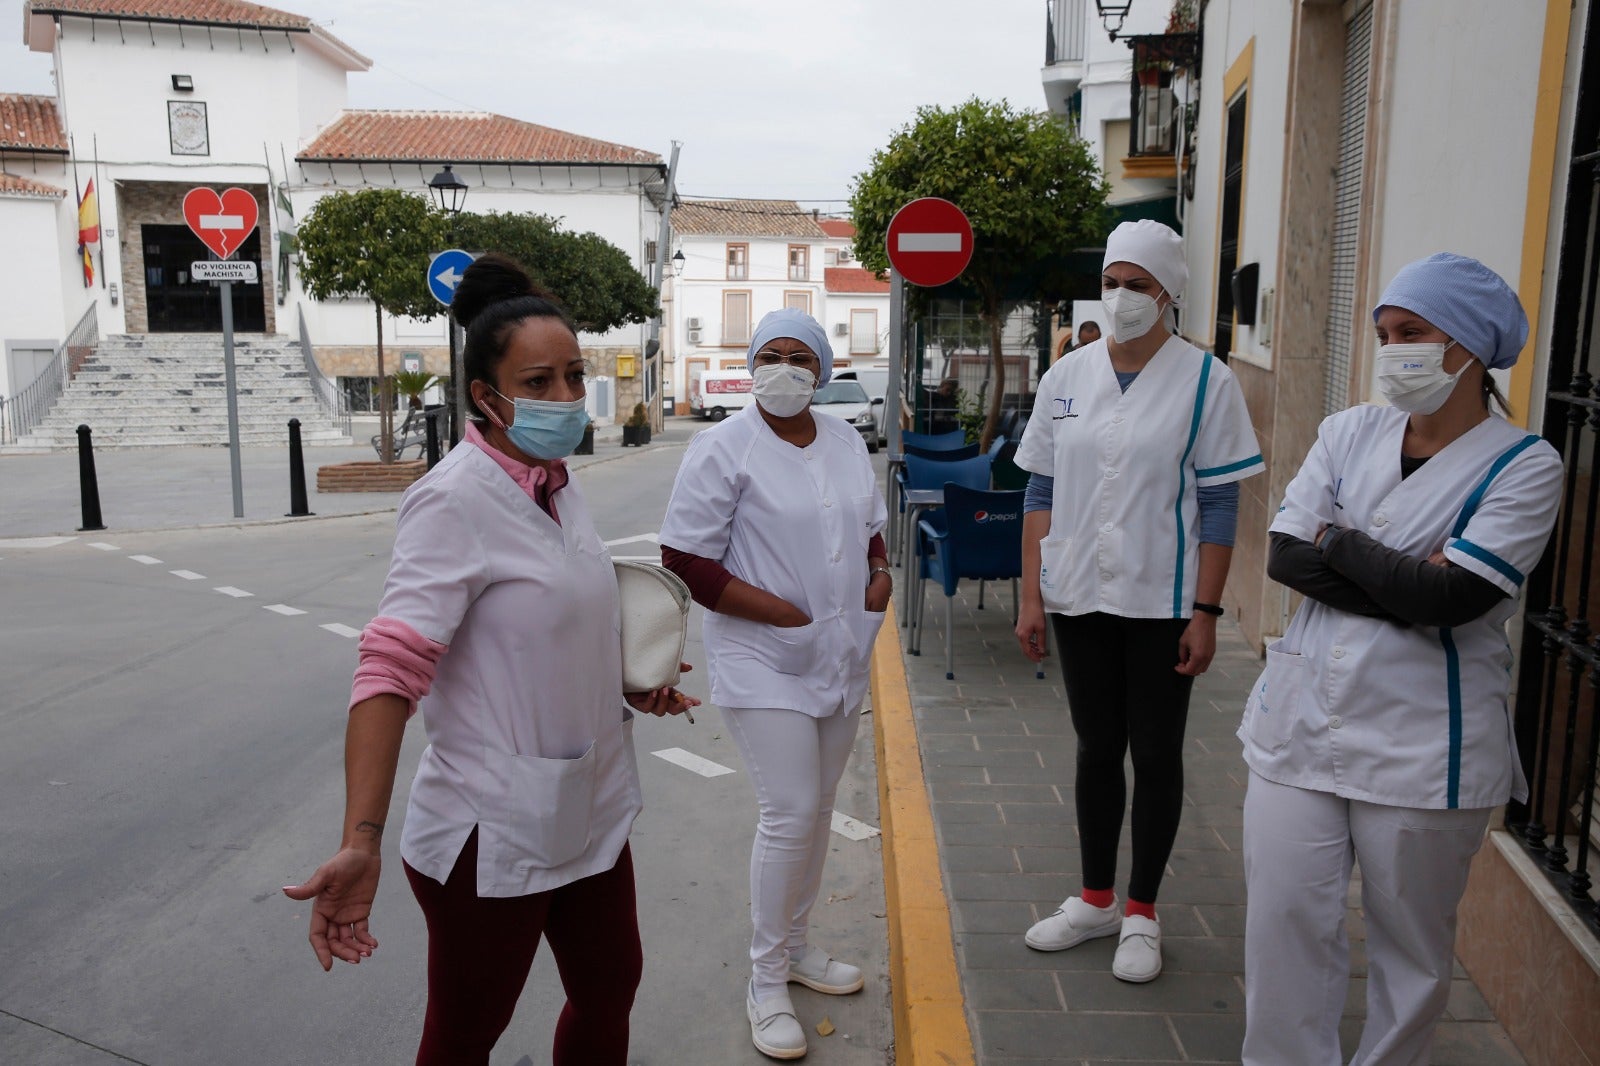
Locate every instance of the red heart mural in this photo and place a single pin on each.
(222, 222)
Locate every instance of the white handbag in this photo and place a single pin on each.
(655, 624)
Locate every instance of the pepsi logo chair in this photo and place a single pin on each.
(977, 536)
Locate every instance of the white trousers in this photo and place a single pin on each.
(1299, 845)
(795, 762)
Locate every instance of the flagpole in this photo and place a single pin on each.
(77, 199)
(99, 225)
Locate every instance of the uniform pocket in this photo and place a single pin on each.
(1275, 701)
(794, 650)
(862, 508)
(1054, 553)
(864, 629)
(543, 806)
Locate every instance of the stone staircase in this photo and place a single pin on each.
(148, 390)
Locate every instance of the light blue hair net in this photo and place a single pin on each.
(795, 325)
(1465, 299)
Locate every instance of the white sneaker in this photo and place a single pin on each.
(1072, 923)
(774, 1029)
(1138, 956)
(818, 972)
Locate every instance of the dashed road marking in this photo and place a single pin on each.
(187, 575)
(100, 545)
(692, 762)
(851, 829)
(282, 608)
(147, 560)
(34, 542)
(229, 590)
(339, 629)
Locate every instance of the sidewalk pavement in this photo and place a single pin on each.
(180, 487)
(997, 755)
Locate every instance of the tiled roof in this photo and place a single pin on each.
(853, 279)
(30, 123)
(208, 12)
(745, 218)
(16, 185)
(838, 227)
(459, 137)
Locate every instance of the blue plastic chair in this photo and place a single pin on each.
(922, 474)
(978, 537)
(932, 479)
(953, 439)
(964, 451)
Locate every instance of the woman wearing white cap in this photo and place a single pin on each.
(774, 524)
(1378, 732)
(1136, 444)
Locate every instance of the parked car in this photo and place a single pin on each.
(849, 401)
(874, 379)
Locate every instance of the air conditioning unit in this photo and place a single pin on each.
(694, 323)
(841, 329)
(844, 255)
(694, 334)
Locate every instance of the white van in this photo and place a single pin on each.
(715, 394)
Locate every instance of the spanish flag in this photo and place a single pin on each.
(88, 230)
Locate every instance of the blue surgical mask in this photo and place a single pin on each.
(545, 429)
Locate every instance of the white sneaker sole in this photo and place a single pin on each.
(827, 989)
(1135, 979)
(1089, 934)
(784, 1053)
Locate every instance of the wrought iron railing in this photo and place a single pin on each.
(327, 391)
(22, 413)
(1065, 30)
(1160, 62)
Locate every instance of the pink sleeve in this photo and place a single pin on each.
(395, 660)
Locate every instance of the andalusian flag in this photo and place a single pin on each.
(88, 230)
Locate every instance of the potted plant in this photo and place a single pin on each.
(636, 430)
(412, 384)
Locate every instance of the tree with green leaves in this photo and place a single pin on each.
(373, 244)
(1028, 183)
(594, 279)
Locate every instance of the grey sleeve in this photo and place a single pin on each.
(1422, 593)
(1298, 564)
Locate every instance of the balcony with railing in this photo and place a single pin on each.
(1166, 69)
(1066, 33)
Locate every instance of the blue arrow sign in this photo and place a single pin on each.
(444, 273)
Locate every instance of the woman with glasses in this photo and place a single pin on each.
(774, 525)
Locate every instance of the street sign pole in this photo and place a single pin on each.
(445, 270)
(897, 359)
(233, 398)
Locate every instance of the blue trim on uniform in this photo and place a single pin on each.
(1452, 669)
(1484, 555)
(1215, 471)
(1194, 432)
(1471, 506)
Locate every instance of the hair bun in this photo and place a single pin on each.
(490, 279)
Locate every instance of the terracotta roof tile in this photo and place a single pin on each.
(853, 279)
(459, 137)
(213, 12)
(16, 185)
(838, 227)
(745, 218)
(30, 123)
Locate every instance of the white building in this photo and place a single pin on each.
(155, 97)
(744, 258)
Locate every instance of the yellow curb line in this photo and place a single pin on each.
(930, 1017)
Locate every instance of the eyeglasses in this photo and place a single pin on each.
(772, 357)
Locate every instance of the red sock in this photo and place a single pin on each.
(1142, 910)
(1099, 897)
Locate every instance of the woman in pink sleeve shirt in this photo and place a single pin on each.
(501, 607)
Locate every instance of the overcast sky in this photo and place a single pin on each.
(782, 100)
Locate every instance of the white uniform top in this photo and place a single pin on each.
(1124, 518)
(795, 522)
(1410, 716)
(530, 740)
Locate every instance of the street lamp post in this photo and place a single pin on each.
(449, 194)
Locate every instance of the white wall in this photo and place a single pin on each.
(31, 290)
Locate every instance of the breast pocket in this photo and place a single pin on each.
(862, 509)
(1275, 701)
(540, 812)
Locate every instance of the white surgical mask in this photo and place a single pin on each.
(1412, 376)
(1129, 315)
(783, 391)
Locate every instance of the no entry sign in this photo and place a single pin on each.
(222, 222)
(930, 241)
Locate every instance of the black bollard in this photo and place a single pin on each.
(88, 484)
(297, 474)
(430, 418)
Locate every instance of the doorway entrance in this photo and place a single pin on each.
(176, 304)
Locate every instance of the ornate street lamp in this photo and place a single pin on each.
(1113, 10)
(677, 263)
(449, 193)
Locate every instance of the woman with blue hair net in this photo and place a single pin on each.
(1379, 731)
(774, 523)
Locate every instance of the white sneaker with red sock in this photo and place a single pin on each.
(1138, 957)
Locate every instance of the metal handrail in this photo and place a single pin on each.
(22, 413)
(328, 393)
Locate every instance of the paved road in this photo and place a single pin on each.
(170, 755)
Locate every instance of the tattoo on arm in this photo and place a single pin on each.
(373, 828)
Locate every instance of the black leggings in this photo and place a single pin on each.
(1125, 695)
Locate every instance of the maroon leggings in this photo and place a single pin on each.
(480, 950)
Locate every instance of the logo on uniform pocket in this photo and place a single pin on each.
(1064, 409)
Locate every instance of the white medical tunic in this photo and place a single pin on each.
(1412, 716)
(529, 738)
(795, 522)
(1124, 517)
